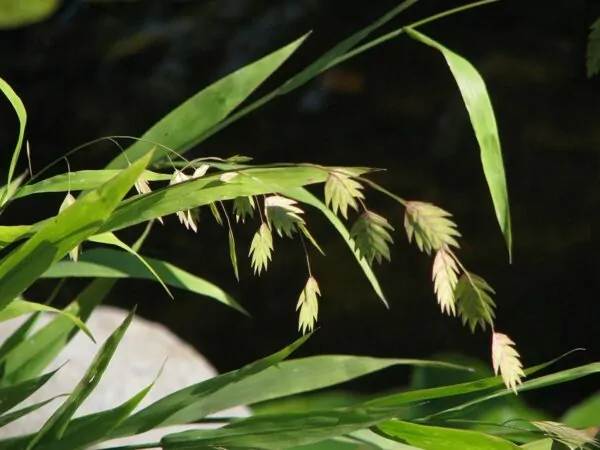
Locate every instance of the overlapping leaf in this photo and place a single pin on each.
(261, 249)
(429, 226)
(243, 207)
(474, 304)
(283, 214)
(506, 361)
(371, 237)
(308, 304)
(445, 279)
(341, 192)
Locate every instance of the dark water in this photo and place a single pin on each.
(96, 70)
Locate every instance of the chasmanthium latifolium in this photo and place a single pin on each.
(458, 291)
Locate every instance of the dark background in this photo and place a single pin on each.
(114, 68)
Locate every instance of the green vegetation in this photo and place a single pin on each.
(477, 410)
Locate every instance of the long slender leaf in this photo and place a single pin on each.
(83, 180)
(30, 357)
(483, 120)
(106, 263)
(281, 380)
(81, 220)
(284, 430)
(85, 431)
(209, 189)
(7, 418)
(56, 425)
(19, 307)
(17, 104)
(18, 336)
(183, 127)
(194, 402)
(536, 383)
(111, 239)
(13, 395)
(438, 438)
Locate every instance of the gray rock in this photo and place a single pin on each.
(135, 364)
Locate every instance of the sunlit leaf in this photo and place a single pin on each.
(506, 361)
(233, 254)
(474, 304)
(371, 236)
(283, 214)
(437, 438)
(261, 249)
(308, 304)
(242, 208)
(430, 226)
(341, 192)
(68, 201)
(19, 108)
(479, 107)
(445, 278)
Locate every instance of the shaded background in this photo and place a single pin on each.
(114, 68)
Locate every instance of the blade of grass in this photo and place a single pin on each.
(17, 104)
(56, 425)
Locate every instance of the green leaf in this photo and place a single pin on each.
(209, 189)
(186, 125)
(282, 430)
(216, 214)
(593, 50)
(197, 401)
(11, 396)
(105, 263)
(83, 180)
(68, 229)
(93, 428)
(585, 414)
(111, 239)
(261, 249)
(242, 208)
(342, 192)
(233, 254)
(481, 113)
(8, 191)
(18, 336)
(10, 234)
(56, 425)
(5, 419)
(542, 444)
(249, 385)
(308, 304)
(438, 438)
(31, 356)
(16, 13)
(535, 383)
(304, 196)
(283, 215)
(19, 307)
(13, 98)
(371, 236)
(473, 301)
(430, 226)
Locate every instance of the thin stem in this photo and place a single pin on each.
(384, 191)
(450, 12)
